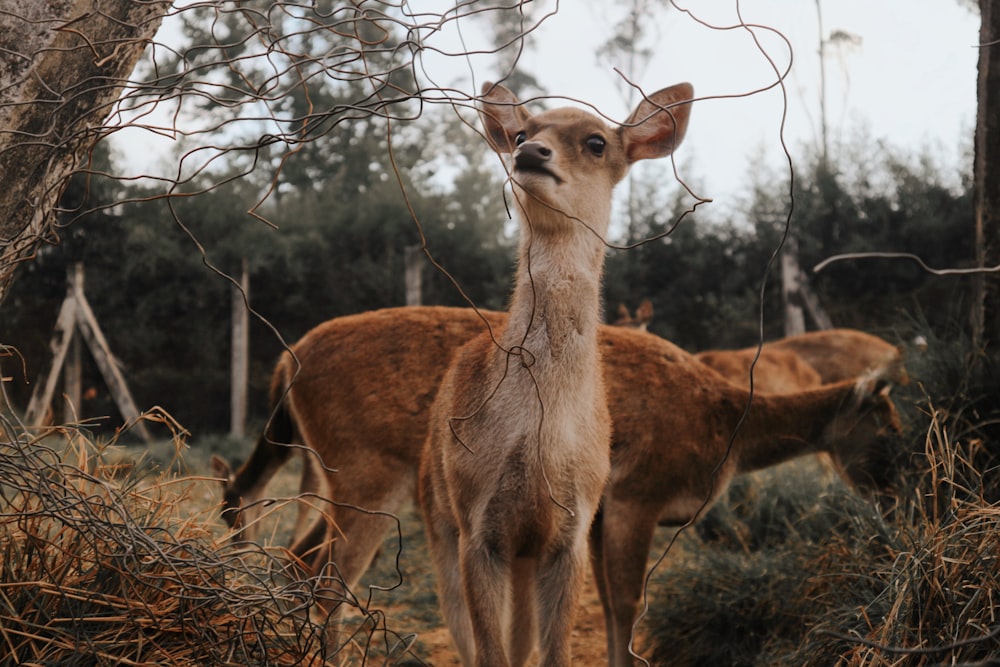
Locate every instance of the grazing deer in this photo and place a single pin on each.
(775, 371)
(518, 443)
(671, 455)
(821, 357)
(359, 404)
(842, 354)
(809, 359)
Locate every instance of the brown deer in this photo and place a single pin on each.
(832, 355)
(676, 447)
(842, 354)
(518, 442)
(359, 403)
(775, 371)
(643, 316)
(820, 357)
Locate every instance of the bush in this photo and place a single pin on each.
(798, 571)
(98, 567)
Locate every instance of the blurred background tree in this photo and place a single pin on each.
(318, 212)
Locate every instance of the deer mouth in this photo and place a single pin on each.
(537, 170)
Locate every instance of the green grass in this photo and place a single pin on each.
(798, 570)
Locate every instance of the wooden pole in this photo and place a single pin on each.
(106, 362)
(791, 294)
(413, 262)
(240, 354)
(73, 369)
(73, 381)
(45, 387)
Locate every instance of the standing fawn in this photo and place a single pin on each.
(518, 443)
(359, 405)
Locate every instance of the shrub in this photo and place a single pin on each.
(102, 571)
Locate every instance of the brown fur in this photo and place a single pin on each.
(361, 402)
(842, 354)
(519, 437)
(808, 360)
(820, 357)
(643, 316)
(653, 482)
(775, 371)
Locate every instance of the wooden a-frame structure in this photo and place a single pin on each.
(76, 316)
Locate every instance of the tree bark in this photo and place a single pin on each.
(63, 64)
(791, 292)
(986, 169)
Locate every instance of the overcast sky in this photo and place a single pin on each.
(909, 79)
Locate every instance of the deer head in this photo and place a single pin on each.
(567, 161)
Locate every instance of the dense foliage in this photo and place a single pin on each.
(156, 267)
(324, 226)
(798, 569)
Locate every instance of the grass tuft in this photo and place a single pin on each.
(105, 564)
(798, 570)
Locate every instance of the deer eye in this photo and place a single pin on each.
(596, 145)
(520, 138)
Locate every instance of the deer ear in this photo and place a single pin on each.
(644, 313)
(658, 124)
(220, 468)
(502, 116)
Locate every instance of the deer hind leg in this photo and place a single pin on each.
(486, 577)
(312, 483)
(626, 536)
(522, 635)
(558, 582)
(346, 534)
(600, 577)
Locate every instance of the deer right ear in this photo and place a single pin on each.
(502, 116)
(658, 124)
(220, 468)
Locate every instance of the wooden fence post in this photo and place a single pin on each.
(413, 262)
(240, 354)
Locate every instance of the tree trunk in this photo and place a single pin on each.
(63, 64)
(986, 167)
(791, 292)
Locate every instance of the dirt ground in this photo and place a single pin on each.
(413, 607)
(589, 648)
(410, 609)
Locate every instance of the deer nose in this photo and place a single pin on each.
(532, 155)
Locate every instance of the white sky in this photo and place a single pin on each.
(911, 81)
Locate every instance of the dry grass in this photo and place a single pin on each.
(102, 565)
(106, 560)
(808, 574)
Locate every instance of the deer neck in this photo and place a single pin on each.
(554, 310)
(779, 428)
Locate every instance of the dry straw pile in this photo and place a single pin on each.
(102, 572)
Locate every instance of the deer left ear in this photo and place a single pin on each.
(220, 468)
(502, 116)
(658, 124)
